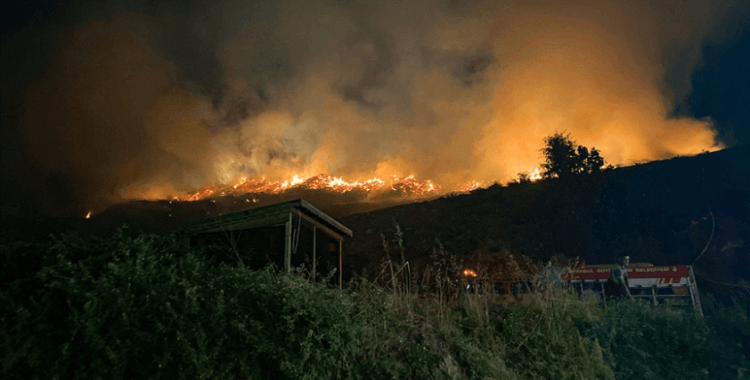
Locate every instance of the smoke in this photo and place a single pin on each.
(164, 99)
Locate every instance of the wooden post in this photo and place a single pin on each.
(315, 244)
(341, 277)
(288, 245)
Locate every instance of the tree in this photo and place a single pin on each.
(560, 156)
(594, 162)
(562, 159)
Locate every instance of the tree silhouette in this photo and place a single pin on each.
(560, 156)
(562, 159)
(594, 162)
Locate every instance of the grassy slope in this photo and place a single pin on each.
(145, 306)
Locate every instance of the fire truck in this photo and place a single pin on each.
(656, 283)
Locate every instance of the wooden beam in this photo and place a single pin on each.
(322, 215)
(315, 245)
(288, 245)
(314, 222)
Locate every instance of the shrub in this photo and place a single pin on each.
(149, 307)
(293, 329)
(646, 342)
(729, 337)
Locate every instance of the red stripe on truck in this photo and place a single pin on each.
(667, 274)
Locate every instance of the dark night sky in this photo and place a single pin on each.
(721, 88)
(105, 101)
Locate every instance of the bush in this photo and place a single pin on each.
(646, 342)
(729, 338)
(294, 329)
(149, 307)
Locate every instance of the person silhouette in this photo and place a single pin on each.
(618, 286)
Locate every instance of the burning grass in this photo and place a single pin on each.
(408, 186)
(404, 186)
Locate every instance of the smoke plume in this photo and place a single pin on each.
(148, 101)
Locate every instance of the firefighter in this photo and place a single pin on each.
(617, 284)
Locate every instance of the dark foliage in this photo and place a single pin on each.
(644, 342)
(149, 307)
(562, 159)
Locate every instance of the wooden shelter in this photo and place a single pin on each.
(289, 234)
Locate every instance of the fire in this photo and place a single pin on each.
(535, 175)
(405, 186)
(469, 272)
(471, 185)
(88, 216)
(408, 186)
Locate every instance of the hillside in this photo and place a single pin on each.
(658, 212)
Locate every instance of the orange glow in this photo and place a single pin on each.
(88, 215)
(407, 186)
(469, 272)
(535, 175)
(471, 185)
(457, 101)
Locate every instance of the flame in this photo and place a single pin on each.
(469, 272)
(405, 186)
(535, 175)
(471, 185)
(88, 216)
(409, 186)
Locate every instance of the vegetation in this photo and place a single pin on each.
(150, 307)
(562, 159)
(641, 341)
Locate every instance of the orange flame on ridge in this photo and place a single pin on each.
(407, 186)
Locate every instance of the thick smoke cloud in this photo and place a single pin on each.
(150, 101)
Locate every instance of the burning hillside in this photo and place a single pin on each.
(403, 186)
(407, 186)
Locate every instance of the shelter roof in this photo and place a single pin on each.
(272, 215)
